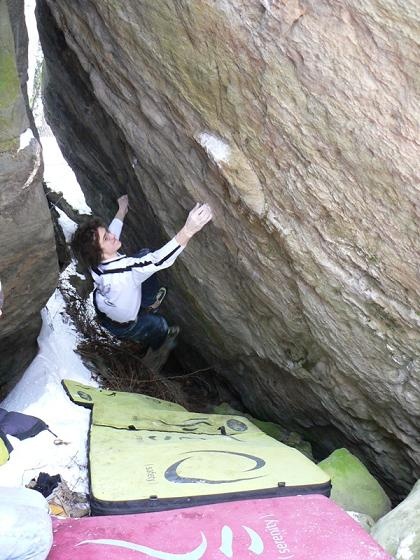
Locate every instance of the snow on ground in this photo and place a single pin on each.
(40, 394)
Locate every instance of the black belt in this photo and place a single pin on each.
(107, 320)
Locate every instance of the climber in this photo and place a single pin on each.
(127, 293)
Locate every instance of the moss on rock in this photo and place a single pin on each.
(9, 83)
(12, 108)
(353, 487)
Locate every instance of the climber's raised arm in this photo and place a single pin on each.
(198, 217)
(122, 207)
(117, 223)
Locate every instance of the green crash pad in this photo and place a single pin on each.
(4, 452)
(88, 396)
(150, 455)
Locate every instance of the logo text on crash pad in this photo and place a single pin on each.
(256, 546)
(172, 474)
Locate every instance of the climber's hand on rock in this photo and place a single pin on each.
(123, 203)
(198, 217)
(122, 207)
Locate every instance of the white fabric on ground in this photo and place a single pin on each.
(25, 525)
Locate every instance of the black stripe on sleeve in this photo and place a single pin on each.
(138, 265)
(99, 272)
(168, 256)
(119, 259)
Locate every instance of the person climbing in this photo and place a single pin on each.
(127, 293)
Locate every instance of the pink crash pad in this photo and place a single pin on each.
(308, 527)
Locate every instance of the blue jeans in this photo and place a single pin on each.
(149, 328)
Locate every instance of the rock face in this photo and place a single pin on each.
(399, 531)
(297, 122)
(28, 262)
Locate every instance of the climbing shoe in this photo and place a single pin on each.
(160, 296)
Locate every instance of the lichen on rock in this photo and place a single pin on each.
(12, 108)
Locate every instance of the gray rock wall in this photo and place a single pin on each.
(28, 261)
(297, 121)
(88, 137)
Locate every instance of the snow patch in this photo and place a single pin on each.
(216, 148)
(404, 549)
(67, 225)
(36, 166)
(58, 174)
(34, 47)
(25, 139)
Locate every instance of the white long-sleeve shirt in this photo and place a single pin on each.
(118, 281)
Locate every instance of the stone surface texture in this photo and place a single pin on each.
(399, 531)
(298, 122)
(28, 261)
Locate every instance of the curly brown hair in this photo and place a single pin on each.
(85, 243)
